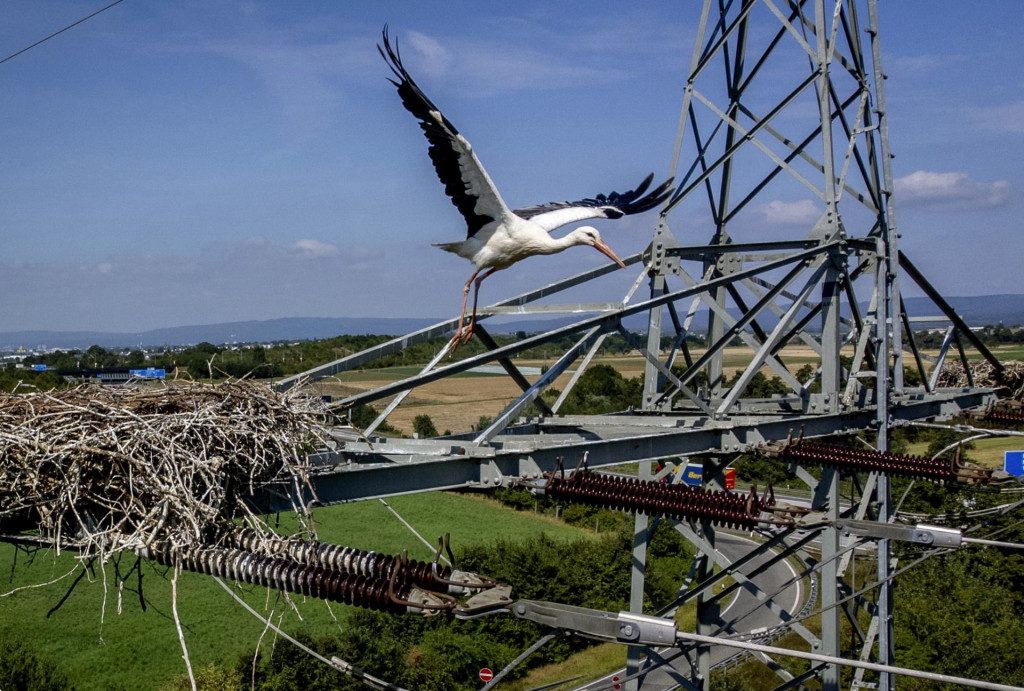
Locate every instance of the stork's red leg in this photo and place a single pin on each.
(476, 296)
(457, 339)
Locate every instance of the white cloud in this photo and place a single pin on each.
(799, 213)
(919, 64)
(315, 248)
(434, 57)
(485, 71)
(304, 79)
(482, 68)
(949, 192)
(1004, 119)
(255, 279)
(259, 252)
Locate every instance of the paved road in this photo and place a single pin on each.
(791, 599)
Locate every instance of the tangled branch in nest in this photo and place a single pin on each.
(108, 468)
(1010, 380)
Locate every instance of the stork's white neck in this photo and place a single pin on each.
(573, 239)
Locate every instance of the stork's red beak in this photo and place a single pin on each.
(604, 249)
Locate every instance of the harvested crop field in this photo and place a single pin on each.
(457, 403)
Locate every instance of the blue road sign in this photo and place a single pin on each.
(1013, 462)
(39, 368)
(148, 373)
(693, 475)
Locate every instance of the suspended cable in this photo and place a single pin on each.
(926, 555)
(57, 33)
(990, 431)
(411, 529)
(344, 667)
(902, 671)
(537, 645)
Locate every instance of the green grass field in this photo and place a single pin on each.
(1003, 352)
(987, 452)
(96, 646)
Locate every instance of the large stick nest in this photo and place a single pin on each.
(112, 468)
(1010, 380)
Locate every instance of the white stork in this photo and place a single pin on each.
(496, 237)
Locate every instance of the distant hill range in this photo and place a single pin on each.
(976, 310)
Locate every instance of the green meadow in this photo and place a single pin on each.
(101, 637)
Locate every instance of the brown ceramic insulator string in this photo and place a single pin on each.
(678, 502)
(864, 460)
(344, 559)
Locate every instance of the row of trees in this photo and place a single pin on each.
(28, 380)
(990, 335)
(283, 359)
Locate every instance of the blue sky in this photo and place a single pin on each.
(198, 162)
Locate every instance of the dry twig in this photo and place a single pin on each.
(105, 469)
(1010, 380)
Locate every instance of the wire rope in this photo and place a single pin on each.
(902, 671)
(60, 31)
(340, 665)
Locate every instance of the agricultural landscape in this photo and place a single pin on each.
(750, 430)
(84, 632)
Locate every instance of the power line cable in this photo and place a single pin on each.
(342, 666)
(57, 33)
(903, 671)
(802, 617)
(411, 529)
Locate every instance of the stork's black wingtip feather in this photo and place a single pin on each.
(393, 57)
(644, 185)
(639, 200)
(665, 188)
(388, 52)
(614, 204)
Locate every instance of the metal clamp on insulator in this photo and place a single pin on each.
(625, 627)
(458, 582)
(490, 601)
(932, 535)
(644, 629)
(464, 582)
(421, 601)
(937, 536)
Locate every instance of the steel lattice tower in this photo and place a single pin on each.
(741, 89)
(784, 98)
(783, 112)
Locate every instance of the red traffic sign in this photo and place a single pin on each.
(730, 478)
(486, 674)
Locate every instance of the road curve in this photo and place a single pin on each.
(733, 547)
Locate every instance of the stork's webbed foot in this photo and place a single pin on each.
(461, 337)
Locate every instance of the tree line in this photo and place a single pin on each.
(272, 360)
(264, 361)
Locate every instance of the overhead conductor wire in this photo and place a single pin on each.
(694, 639)
(344, 667)
(57, 33)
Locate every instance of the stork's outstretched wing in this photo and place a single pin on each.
(460, 171)
(614, 205)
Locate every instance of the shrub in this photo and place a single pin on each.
(22, 668)
(423, 426)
